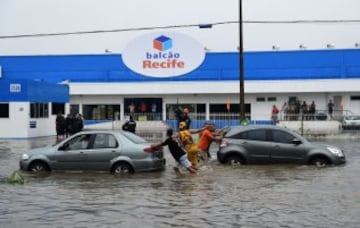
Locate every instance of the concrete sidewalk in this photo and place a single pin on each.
(316, 127)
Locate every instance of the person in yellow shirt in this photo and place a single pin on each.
(187, 140)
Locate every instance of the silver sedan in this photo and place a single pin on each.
(112, 151)
(258, 144)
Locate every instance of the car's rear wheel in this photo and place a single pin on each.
(122, 167)
(319, 162)
(235, 160)
(39, 167)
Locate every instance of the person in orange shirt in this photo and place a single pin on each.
(206, 138)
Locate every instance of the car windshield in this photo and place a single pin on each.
(352, 117)
(134, 138)
(232, 131)
(260, 134)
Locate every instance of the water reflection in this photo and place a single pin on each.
(251, 196)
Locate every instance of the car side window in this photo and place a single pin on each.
(256, 135)
(282, 137)
(105, 141)
(78, 143)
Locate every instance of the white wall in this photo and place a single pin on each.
(44, 127)
(17, 125)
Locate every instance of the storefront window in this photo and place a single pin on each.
(4, 110)
(196, 111)
(143, 109)
(101, 112)
(39, 110)
(74, 109)
(228, 111)
(57, 108)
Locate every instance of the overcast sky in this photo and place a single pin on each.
(21, 17)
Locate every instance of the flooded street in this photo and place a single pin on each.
(218, 196)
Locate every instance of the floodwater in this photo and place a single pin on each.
(218, 196)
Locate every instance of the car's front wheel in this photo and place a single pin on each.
(235, 160)
(122, 167)
(319, 162)
(39, 167)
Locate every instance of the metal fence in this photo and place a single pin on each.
(231, 119)
(319, 115)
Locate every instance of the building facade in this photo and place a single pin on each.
(102, 88)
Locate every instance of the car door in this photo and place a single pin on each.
(256, 145)
(285, 149)
(71, 155)
(103, 149)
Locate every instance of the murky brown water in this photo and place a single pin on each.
(219, 196)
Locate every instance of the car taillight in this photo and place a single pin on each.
(149, 150)
(224, 143)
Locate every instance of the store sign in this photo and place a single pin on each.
(15, 88)
(163, 54)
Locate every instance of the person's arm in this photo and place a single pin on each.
(156, 145)
(160, 144)
(215, 137)
(196, 131)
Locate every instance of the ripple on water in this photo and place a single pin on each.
(254, 196)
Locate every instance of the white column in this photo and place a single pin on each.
(207, 110)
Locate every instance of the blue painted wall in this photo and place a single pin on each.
(279, 65)
(33, 91)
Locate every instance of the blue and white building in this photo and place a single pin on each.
(28, 107)
(292, 52)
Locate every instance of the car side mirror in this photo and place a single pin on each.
(63, 147)
(297, 141)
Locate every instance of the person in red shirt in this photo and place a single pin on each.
(206, 138)
(274, 115)
(142, 107)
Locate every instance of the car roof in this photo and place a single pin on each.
(99, 131)
(258, 127)
(353, 117)
(118, 133)
(237, 129)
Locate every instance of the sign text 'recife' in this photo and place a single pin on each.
(163, 55)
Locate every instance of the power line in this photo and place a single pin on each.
(179, 26)
(303, 22)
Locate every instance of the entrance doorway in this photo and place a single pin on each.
(143, 109)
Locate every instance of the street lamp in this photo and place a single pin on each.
(241, 66)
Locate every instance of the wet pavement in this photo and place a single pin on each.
(218, 196)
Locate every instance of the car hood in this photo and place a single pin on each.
(41, 150)
(323, 145)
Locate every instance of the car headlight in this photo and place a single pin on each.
(24, 157)
(335, 151)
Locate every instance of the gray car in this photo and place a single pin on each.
(272, 144)
(111, 151)
(351, 122)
